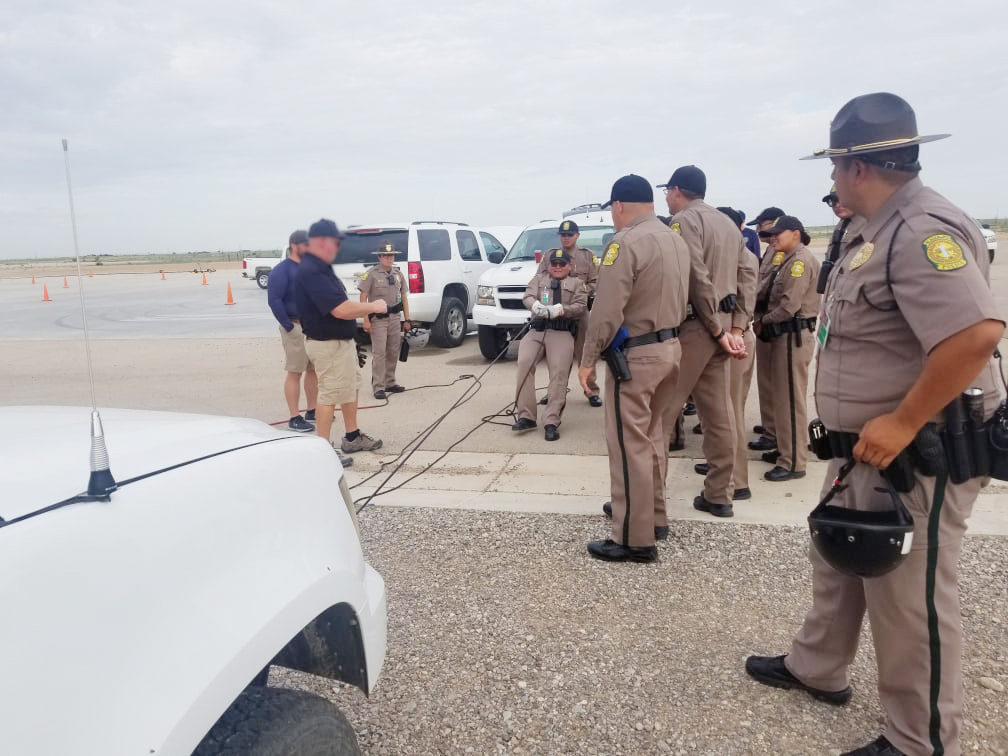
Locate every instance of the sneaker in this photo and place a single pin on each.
(344, 459)
(310, 416)
(299, 424)
(363, 442)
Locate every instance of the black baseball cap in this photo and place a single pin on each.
(631, 188)
(688, 177)
(771, 213)
(785, 223)
(298, 237)
(325, 227)
(735, 215)
(559, 254)
(568, 227)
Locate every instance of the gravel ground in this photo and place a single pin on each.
(505, 637)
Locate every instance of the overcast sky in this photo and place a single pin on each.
(221, 124)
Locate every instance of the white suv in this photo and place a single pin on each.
(499, 313)
(442, 261)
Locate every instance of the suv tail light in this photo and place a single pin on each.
(416, 280)
(244, 264)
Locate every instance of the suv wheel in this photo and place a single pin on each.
(450, 327)
(492, 341)
(276, 722)
(262, 278)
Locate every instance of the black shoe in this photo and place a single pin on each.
(771, 670)
(607, 509)
(551, 433)
(701, 468)
(689, 409)
(611, 551)
(310, 416)
(523, 424)
(661, 532)
(676, 446)
(379, 394)
(718, 510)
(780, 474)
(742, 493)
(396, 389)
(759, 430)
(770, 456)
(545, 400)
(299, 424)
(763, 444)
(698, 429)
(595, 400)
(878, 747)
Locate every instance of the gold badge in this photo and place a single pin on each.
(595, 259)
(388, 248)
(862, 256)
(943, 252)
(611, 253)
(777, 259)
(797, 269)
(558, 254)
(675, 227)
(566, 225)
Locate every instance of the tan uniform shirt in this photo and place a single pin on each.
(879, 336)
(377, 284)
(793, 290)
(748, 272)
(643, 284)
(715, 240)
(573, 294)
(583, 266)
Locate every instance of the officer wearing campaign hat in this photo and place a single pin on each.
(907, 324)
(385, 281)
(558, 301)
(584, 266)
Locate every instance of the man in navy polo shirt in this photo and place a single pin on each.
(328, 320)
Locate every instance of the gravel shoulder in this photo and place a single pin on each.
(505, 637)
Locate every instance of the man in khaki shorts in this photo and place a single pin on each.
(280, 295)
(329, 322)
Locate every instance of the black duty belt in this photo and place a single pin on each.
(651, 338)
(791, 326)
(392, 310)
(553, 324)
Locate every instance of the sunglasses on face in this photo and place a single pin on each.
(558, 263)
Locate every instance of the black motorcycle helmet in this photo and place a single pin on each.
(862, 543)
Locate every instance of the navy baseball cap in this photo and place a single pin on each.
(631, 188)
(769, 214)
(298, 237)
(690, 178)
(559, 255)
(325, 227)
(785, 223)
(568, 227)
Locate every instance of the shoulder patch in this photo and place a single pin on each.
(364, 276)
(675, 227)
(777, 259)
(797, 269)
(943, 252)
(611, 253)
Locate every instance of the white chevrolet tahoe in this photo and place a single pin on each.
(499, 313)
(442, 262)
(144, 621)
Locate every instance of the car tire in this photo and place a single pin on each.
(449, 329)
(279, 722)
(262, 278)
(492, 341)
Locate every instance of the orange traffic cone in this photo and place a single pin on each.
(33, 278)
(90, 274)
(65, 284)
(204, 279)
(162, 275)
(230, 299)
(45, 293)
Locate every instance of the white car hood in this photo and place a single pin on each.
(510, 274)
(45, 451)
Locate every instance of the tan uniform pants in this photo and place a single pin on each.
(704, 374)
(386, 338)
(579, 348)
(790, 420)
(765, 388)
(558, 349)
(917, 630)
(635, 437)
(741, 372)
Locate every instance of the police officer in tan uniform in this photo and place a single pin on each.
(907, 324)
(704, 371)
(643, 287)
(583, 266)
(557, 300)
(385, 281)
(788, 326)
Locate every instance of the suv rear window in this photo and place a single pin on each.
(359, 245)
(434, 244)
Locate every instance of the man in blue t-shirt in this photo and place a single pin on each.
(329, 321)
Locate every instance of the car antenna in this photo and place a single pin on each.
(101, 483)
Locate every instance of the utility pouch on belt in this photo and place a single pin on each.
(615, 357)
(997, 443)
(828, 444)
(728, 304)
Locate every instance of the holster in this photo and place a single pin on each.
(617, 362)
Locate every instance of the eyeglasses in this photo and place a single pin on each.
(832, 202)
(558, 263)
